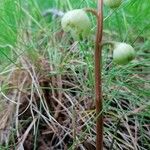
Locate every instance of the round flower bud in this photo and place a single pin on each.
(77, 22)
(113, 3)
(123, 53)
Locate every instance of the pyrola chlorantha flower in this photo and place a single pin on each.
(77, 22)
(123, 53)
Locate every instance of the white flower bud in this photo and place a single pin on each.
(77, 22)
(123, 53)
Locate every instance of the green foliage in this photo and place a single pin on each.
(112, 3)
(9, 20)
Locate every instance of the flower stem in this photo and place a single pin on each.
(98, 79)
(93, 11)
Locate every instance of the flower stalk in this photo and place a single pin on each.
(98, 77)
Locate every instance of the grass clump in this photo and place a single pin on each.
(47, 81)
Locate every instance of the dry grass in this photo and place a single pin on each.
(47, 106)
(44, 108)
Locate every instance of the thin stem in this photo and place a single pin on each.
(98, 79)
(111, 43)
(93, 11)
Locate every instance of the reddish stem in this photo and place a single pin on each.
(98, 79)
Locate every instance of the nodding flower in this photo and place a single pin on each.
(123, 53)
(76, 22)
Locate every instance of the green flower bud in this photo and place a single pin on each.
(77, 22)
(123, 53)
(113, 3)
